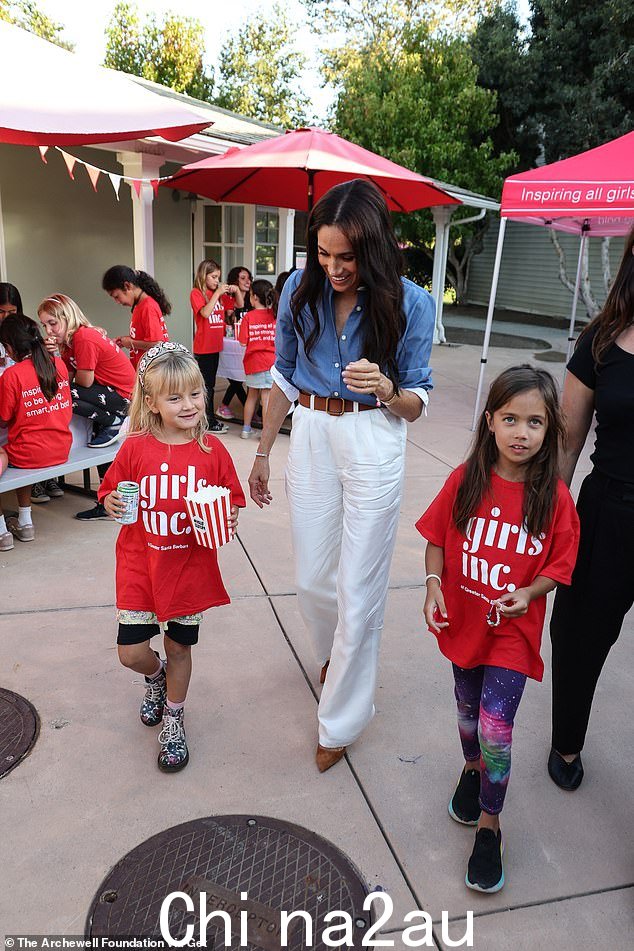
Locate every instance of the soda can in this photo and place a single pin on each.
(130, 493)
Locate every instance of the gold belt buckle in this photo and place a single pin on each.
(337, 399)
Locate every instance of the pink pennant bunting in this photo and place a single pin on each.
(43, 150)
(136, 183)
(154, 182)
(70, 163)
(93, 175)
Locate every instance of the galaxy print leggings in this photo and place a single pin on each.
(487, 699)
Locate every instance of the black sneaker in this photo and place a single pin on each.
(39, 493)
(464, 805)
(105, 438)
(91, 515)
(485, 872)
(218, 428)
(53, 489)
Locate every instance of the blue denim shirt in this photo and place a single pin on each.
(321, 373)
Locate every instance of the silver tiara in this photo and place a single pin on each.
(150, 355)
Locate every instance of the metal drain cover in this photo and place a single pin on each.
(19, 727)
(281, 867)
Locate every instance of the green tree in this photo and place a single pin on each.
(259, 71)
(582, 54)
(419, 105)
(25, 14)
(501, 52)
(168, 51)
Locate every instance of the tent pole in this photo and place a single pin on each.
(575, 297)
(487, 331)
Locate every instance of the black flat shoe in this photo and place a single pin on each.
(565, 775)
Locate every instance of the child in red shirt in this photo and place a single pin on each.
(149, 306)
(162, 574)
(101, 375)
(257, 335)
(35, 404)
(210, 299)
(502, 533)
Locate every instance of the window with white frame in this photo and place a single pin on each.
(267, 240)
(223, 235)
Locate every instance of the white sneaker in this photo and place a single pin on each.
(246, 432)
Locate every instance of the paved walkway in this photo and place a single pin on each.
(90, 790)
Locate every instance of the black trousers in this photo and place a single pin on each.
(235, 388)
(208, 363)
(588, 616)
(98, 402)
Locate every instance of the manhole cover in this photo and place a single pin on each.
(258, 870)
(19, 726)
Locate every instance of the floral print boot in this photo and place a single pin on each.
(174, 754)
(151, 712)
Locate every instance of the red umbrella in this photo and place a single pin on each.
(296, 169)
(50, 97)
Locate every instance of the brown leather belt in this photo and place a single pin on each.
(333, 405)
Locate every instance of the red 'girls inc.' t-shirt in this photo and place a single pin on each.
(210, 331)
(90, 350)
(257, 334)
(39, 433)
(146, 323)
(160, 567)
(497, 557)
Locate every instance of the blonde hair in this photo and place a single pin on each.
(64, 308)
(204, 268)
(170, 372)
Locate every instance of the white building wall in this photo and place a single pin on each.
(529, 273)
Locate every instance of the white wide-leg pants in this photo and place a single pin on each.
(344, 481)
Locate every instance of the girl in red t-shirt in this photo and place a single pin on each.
(101, 375)
(163, 576)
(35, 404)
(210, 299)
(149, 306)
(257, 335)
(502, 533)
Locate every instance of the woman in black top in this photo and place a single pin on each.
(588, 616)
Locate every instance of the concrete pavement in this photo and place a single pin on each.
(90, 790)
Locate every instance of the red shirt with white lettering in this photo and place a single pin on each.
(497, 556)
(146, 323)
(257, 334)
(210, 331)
(89, 350)
(160, 567)
(39, 433)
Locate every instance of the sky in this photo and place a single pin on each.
(85, 24)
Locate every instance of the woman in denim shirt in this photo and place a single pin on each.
(352, 345)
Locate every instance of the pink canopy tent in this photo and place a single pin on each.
(49, 96)
(590, 194)
(296, 169)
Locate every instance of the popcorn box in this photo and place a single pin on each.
(209, 509)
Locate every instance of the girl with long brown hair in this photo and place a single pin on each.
(501, 534)
(588, 617)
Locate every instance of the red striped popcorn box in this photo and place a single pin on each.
(209, 509)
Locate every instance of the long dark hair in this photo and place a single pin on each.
(618, 310)
(232, 278)
(542, 471)
(120, 274)
(9, 294)
(23, 336)
(266, 293)
(359, 210)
